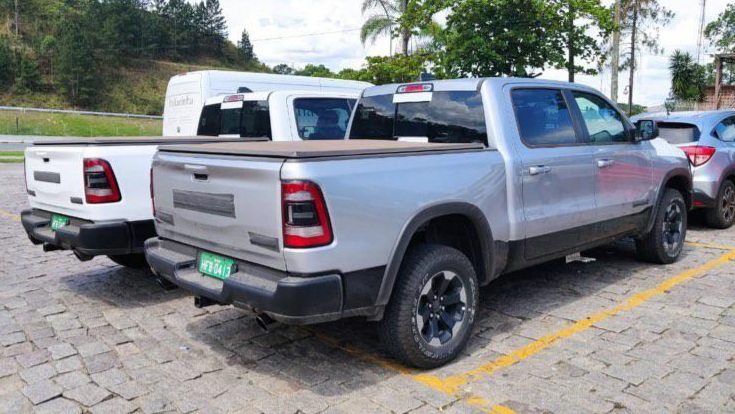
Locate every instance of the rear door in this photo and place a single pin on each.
(230, 205)
(624, 181)
(557, 178)
(55, 179)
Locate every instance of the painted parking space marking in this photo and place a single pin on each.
(9, 215)
(452, 385)
(710, 246)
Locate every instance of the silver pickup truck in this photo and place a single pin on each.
(441, 188)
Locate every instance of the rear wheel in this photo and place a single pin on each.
(429, 318)
(133, 261)
(664, 243)
(722, 215)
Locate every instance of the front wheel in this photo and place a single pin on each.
(722, 215)
(664, 243)
(133, 261)
(432, 309)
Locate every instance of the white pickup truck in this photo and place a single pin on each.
(93, 196)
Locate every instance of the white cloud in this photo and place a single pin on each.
(285, 18)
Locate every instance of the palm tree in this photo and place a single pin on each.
(381, 22)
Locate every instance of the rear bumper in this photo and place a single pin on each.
(703, 200)
(283, 296)
(87, 237)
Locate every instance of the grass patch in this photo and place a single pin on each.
(11, 153)
(11, 160)
(46, 124)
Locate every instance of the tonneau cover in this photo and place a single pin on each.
(318, 149)
(94, 141)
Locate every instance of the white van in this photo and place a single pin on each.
(187, 92)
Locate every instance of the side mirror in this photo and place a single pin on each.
(646, 130)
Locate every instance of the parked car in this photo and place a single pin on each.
(93, 196)
(187, 93)
(497, 175)
(708, 139)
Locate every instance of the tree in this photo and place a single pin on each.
(641, 20)
(246, 48)
(497, 38)
(381, 23)
(688, 78)
(284, 69)
(721, 32)
(389, 69)
(317, 71)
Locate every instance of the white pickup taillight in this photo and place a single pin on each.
(699, 154)
(100, 185)
(305, 216)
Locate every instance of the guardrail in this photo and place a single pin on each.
(68, 111)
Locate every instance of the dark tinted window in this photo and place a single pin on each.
(543, 117)
(322, 118)
(604, 123)
(209, 122)
(678, 132)
(450, 117)
(726, 130)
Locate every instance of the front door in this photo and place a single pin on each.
(558, 178)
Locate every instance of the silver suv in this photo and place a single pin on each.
(441, 188)
(708, 139)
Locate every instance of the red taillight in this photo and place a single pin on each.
(305, 216)
(153, 200)
(699, 155)
(100, 185)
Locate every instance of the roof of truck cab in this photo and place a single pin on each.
(318, 149)
(260, 96)
(472, 84)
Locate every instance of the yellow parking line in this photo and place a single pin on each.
(451, 385)
(9, 215)
(710, 246)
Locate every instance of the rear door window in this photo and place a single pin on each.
(543, 117)
(604, 123)
(449, 117)
(322, 118)
(678, 132)
(726, 130)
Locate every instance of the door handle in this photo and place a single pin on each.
(195, 168)
(539, 169)
(604, 163)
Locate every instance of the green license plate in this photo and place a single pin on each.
(58, 222)
(214, 265)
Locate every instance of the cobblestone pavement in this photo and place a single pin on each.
(616, 335)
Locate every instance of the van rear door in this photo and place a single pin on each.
(183, 104)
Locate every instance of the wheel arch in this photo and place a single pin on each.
(679, 179)
(484, 261)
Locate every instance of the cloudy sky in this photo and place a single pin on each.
(298, 32)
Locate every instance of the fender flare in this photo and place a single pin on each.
(472, 212)
(677, 172)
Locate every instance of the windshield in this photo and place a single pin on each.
(252, 120)
(450, 117)
(678, 132)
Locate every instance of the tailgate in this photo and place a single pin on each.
(55, 176)
(226, 205)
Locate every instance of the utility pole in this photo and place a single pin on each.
(632, 57)
(570, 41)
(701, 31)
(615, 54)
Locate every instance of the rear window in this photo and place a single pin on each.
(678, 132)
(322, 118)
(252, 120)
(450, 117)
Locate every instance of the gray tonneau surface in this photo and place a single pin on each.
(318, 149)
(97, 141)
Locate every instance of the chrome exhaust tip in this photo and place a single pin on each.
(264, 321)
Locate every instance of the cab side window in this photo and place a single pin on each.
(726, 130)
(543, 117)
(604, 123)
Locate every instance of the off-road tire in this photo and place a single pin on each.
(722, 215)
(398, 329)
(133, 260)
(651, 246)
